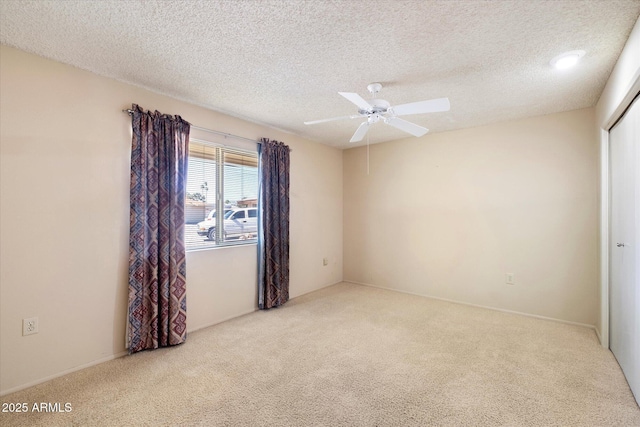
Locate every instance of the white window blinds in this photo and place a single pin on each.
(222, 196)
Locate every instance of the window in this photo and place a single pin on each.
(220, 179)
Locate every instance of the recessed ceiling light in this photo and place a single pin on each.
(567, 59)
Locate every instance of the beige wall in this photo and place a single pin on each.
(622, 86)
(64, 139)
(447, 215)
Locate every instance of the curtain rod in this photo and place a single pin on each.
(226, 135)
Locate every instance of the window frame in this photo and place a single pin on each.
(220, 151)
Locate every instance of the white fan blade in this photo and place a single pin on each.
(430, 106)
(360, 132)
(406, 126)
(358, 100)
(314, 122)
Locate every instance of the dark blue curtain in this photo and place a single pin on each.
(273, 224)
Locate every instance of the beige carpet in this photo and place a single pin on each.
(350, 355)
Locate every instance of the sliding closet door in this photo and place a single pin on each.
(624, 292)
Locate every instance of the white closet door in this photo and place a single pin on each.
(624, 292)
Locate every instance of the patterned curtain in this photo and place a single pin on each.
(273, 224)
(157, 263)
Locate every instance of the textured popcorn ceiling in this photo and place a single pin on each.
(281, 63)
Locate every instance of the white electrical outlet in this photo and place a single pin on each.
(325, 261)
(509, 279)
(30, 326)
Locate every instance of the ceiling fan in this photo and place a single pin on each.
(379, 109)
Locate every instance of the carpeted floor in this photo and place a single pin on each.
(350, 355)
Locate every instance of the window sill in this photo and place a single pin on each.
(224, 246)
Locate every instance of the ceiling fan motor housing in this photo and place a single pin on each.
(378, 106)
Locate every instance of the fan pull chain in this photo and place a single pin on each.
(367, 154)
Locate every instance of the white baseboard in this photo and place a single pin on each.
(599, 336)
(585, 325)
(217, 322)
(317, 289)
(124, 353)
(104, 359)
(63, 373)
